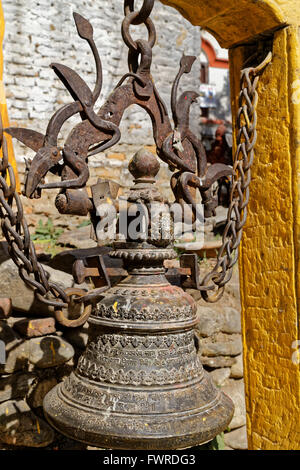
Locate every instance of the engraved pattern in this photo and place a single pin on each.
(153, 293)
(129, 306)
(108, 404)
(141, 360)
(106, 398)
(144, 255)
(143, 314)
(87, 368)
(95, 398)
(142, 342)
(144, 363)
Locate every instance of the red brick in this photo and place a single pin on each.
(32, 328)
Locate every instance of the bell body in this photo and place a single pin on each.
(140, 383)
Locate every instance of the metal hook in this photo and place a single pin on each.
(144, 12)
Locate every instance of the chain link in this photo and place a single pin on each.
(243, 160)
(20, 246)
(144, 12)
(13, 223)
(128, 21)
(133, 17)
(15, 228)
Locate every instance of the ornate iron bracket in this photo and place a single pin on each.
(98, 131)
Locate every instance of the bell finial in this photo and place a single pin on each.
(144, 166)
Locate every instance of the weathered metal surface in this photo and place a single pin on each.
(84, 315)
(191, 261)
(140, 383)
(179, 147)
(94, 268)
(73, 201)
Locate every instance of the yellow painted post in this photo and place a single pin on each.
(3, 107)
(269, 256)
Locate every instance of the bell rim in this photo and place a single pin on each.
(83, 427)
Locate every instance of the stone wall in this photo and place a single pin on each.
(39, 32)
(40, 353)
(221, 353)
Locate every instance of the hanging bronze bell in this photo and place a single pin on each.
(140, 383)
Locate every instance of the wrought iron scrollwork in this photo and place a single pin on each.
(98, 131)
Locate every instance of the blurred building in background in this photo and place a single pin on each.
(39, 32)
(214, 88)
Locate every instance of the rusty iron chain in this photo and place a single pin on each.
(144, 12)
(133, 17)
(21, 248)
(16, 232)
(15, 228)
(243, 160)
(13, 221)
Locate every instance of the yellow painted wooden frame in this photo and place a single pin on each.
(3, 107)
(269, 256)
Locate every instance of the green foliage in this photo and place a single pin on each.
(85, 223)
(218, 442)
(178, 251)
(47, 235)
